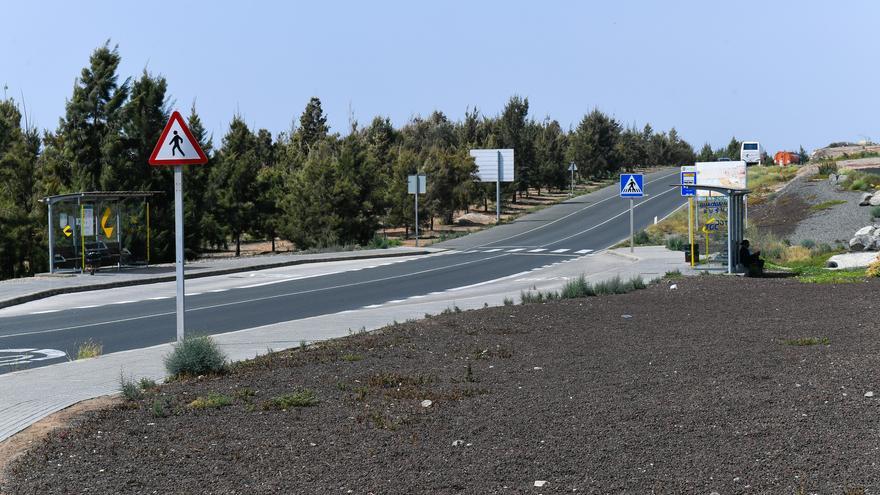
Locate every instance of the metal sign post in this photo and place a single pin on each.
(494, 165)
(689, 177)
(632, 186)
(178, 250)
(417, 184)
(572, 169)
(178, 150)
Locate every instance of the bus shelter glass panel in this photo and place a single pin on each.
(110, 232)
(711, 232)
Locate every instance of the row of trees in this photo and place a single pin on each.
(310, 185)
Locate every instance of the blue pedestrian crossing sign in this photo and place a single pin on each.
(632, 185)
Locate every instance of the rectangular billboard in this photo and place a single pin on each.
(721, 174)
(487, 164)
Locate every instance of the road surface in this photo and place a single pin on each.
(143, 316)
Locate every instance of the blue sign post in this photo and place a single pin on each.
(632, 186)
(688, 178)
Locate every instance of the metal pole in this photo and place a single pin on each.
(51, 241)
(498, 191)
(178, 248)
(82, 235)
(632, 237)
(148, 232)
(118, 239)
(729, 238)
(417, 209)
(571, 187)
(691, 228)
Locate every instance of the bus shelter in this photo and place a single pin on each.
(99, 228)
(734, 221)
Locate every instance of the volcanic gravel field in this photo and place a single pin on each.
(687, 390)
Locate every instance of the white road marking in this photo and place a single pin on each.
(159, 298)
(373, 306)
(516, 250)
(87, 306)
(583, 251)
(487, 282)
(120, 302)
(578, 211)
(537, 250)
(417, 297)
(560, 250)
(45, 312)
(492, 250)
(396, 301)
(217, 290)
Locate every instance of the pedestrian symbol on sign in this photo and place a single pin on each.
(176, 140)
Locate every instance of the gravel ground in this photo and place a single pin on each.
(789, 215)
(691, 390)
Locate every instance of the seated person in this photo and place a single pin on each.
(752, 261)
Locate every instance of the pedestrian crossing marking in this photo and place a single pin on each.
(537, 250)
(583, 251)
(560, 250)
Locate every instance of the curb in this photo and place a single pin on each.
(170, 278)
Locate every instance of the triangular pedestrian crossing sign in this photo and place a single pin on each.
(632, 187)
(177, 146)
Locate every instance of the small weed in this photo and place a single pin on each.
(130, 390)
(875, 212)
(805, 341)
(469, 375)
(158, 409)
(508, 301)
(301, 398)
(827, 205)
(451, 310)
(578, 287)
(212, 401)
(148, 384)
(88, 350)
(351, 357)
(244, 394)
(673, 274)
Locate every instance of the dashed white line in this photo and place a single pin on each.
(583, 251)
(537, 250)
(560, 250)
(492, 250)
(516, 250)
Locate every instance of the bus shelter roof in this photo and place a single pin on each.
(99, 195)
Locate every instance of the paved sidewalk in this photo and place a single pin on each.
(21, 290)
(30, 395)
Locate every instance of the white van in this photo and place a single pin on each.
(751, 152)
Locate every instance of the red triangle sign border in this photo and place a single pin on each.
(155, 161)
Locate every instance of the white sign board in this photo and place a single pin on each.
(411, 184)
(721, 174)
(488, 167)
(89, 219)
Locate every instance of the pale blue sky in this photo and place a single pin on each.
(785, 72)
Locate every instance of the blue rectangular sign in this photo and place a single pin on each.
(632, 185)
(688, 178)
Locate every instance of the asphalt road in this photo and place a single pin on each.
(578, 227)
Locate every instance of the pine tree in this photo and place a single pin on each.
(515, 132)
(194, 193)
(594, 145)
(233, 181)
(312, 126)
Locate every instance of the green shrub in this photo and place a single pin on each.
(379, 242)
(641, 238)
(212, 401)
(827, 167)
(508, 301)
(677, 243)
(808, 243)
(578, 287)
(147, 384)
(859, 185)
(195, 356)
(301, 398)
(875, 212)
(130, 390)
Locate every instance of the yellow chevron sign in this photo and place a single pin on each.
(108, 231)
(67, 231)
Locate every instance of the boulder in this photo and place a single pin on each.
(866, 199)
(875, 200)
(841, 178)
(867, 230)
(861, 243)
(833, 178)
